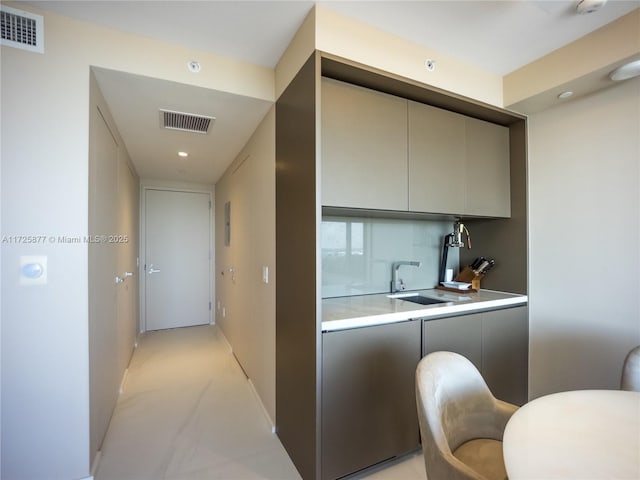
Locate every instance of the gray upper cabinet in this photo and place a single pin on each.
(383, 152)
(364, 148)
(437, 157)
(488, 190)
(457, 164)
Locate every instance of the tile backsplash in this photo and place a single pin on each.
(357, 254)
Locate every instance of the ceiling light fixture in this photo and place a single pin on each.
(626, 71)
(183, 154)
(589, 6)
(565, 94)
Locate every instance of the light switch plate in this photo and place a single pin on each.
(265, 274)
(33, 270)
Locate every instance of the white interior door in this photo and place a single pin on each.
(177, 259)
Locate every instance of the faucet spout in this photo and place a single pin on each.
(398, 284)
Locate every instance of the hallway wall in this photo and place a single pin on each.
(248, 302)
(113, 312)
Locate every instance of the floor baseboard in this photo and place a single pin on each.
(262, 407)
(251, 385)
(94, 465)
(224, 337)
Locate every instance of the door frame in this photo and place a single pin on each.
(146, 185)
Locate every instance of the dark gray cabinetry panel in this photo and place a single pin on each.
(505, 353)
(368, 396)
(496, 342)
(455, 334)
(297, 334)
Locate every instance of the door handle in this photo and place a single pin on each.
(128, 274)
(152, 270)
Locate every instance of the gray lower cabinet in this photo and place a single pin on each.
(455, 334)
(368, 396)
(496, 342)
(505, 353)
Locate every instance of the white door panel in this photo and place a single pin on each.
(177, 239)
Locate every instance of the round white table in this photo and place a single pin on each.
(583, 434)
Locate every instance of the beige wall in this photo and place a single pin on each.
(581, 66)
(249, 303)
(299, 50)
(348, 38)
(333, 33)
(584, 172)
(45, 329)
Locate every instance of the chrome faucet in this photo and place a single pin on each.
(398, 284)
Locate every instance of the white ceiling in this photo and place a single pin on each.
(135, 101)
(499, 36)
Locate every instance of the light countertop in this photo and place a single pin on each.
(366, 310)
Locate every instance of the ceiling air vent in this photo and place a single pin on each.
(22, 29)
(187, 122)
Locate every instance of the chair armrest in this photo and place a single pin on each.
(503, 412)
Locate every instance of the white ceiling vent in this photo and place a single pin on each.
(22, 29)
(187, 122)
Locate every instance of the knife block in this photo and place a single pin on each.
(467, 275)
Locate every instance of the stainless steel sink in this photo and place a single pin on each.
(416, 298)
(422, 300)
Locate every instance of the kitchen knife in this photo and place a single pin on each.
(482, 266)
(488, 267)
(477, 262)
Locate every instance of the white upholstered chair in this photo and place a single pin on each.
(631, 371)
(461, 422)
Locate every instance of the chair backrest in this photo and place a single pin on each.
(631, 371)
(457, 402)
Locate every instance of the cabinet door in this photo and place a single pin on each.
(505, 353)
(488, 190)
(364, 148)
(368, 396)
(436, 160)
(461, 335)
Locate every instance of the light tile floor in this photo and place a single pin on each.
(187, 412)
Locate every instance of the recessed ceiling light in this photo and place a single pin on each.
(183, 154)
(194, 66)
(628, 70)
(566, 94)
